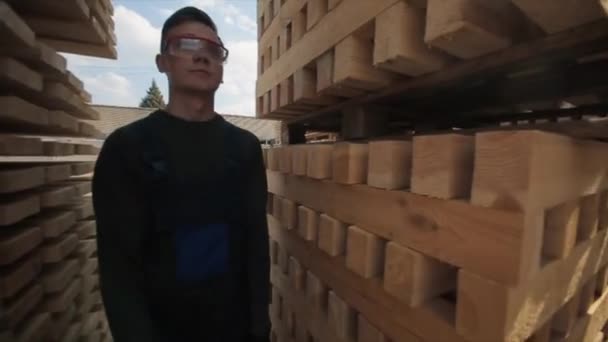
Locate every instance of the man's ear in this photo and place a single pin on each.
(161, 63)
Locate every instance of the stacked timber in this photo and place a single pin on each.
(317, 53)
(49, 287)
(83, 27)
(500, 235)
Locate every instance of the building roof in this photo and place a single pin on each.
(113, 117)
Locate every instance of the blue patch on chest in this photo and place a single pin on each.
(202, 251)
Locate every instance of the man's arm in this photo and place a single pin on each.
(120, 214)
(258, 247)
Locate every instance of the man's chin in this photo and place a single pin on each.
(199, 88)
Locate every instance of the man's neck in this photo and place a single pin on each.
(191, 108)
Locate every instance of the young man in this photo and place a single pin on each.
(180, 200)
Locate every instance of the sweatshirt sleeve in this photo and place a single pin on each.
(258, 246)
(121, 216)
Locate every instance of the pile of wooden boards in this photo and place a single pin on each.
(315, 53)
(83, 27)
(49, 288)
(491, 236)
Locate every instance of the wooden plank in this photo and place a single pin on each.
(452, 231)
(316, 292)
(414, 278)
(595, 317)
(308, 223)
(17, 276)
(366, 332)
(56, 277)
(55, 173)
(442, 165)
(588, 217)
(87, 149)
(349, 162)
(537, 52)
(17, 309)
(564, 319)
(53, 223)
(14, 30)
(297, 274)
(14, 179)
(82, 48)
(489, 311)
(302, 88)
(63, 122)
(61, 301)
(34, 329)
(341, 317)
(333, 4)
(390, 163)
(335, 26)
(18, 207)
(326, 86)
(59, 97)
(299, 155)
(399, 322)
(87, 31)
(52, 148)
(40, 58)
(316, 10)
(73, 332)
(353, 62)
(13, 145)
(61, 323)
(510, 174)
(399, 44)
(289, 214)
(364, 253)
(17, 77)
(17, 242)
(553, 17)
(57, 249)
(319, 161)
(285, 159)
(69, 9)
(332, 236)
(470, 28)
(89, 130)
(82, 168)
(86, 247)
(559, 236)
(54, 196)
(86, 229)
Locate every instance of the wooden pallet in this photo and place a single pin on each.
(451, 215)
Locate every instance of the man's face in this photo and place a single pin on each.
(191, 70)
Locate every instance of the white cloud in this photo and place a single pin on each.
(110, 88)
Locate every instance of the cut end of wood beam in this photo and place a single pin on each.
(470, 28)
(349, 163)
(332, 235)
(319, 164)
(308, 223)
(364, 253)
(390, 164)
(414, 278)
(399, 44)
(442, 165)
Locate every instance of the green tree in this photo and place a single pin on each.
(154, 98)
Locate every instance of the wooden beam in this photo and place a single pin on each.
(17, 242)
(14, 31)
(364, 253)
(390, 163)
(349, 163)
(15, 76)
(489, 311)
(13, 145)
(484, 240)
(366, 296)
(399, 44)
(442, 165)
(554, 18)
(336, 26)
(54, 223)
(82, 48)
(20, 178)
(20, 275)
(67, 10)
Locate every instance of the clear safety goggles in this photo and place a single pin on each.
(187, 46)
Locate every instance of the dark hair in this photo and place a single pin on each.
(183, 15)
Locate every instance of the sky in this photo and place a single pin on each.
(124, 81)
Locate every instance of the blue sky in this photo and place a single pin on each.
(124, 81)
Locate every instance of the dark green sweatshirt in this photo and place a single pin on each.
(182, 232)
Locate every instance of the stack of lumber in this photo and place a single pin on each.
(49, 289)
(83, 27)
(500, 235)
(316, 53)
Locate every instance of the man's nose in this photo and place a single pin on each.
(201, 57)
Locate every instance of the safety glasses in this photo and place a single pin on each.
(188, 46)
